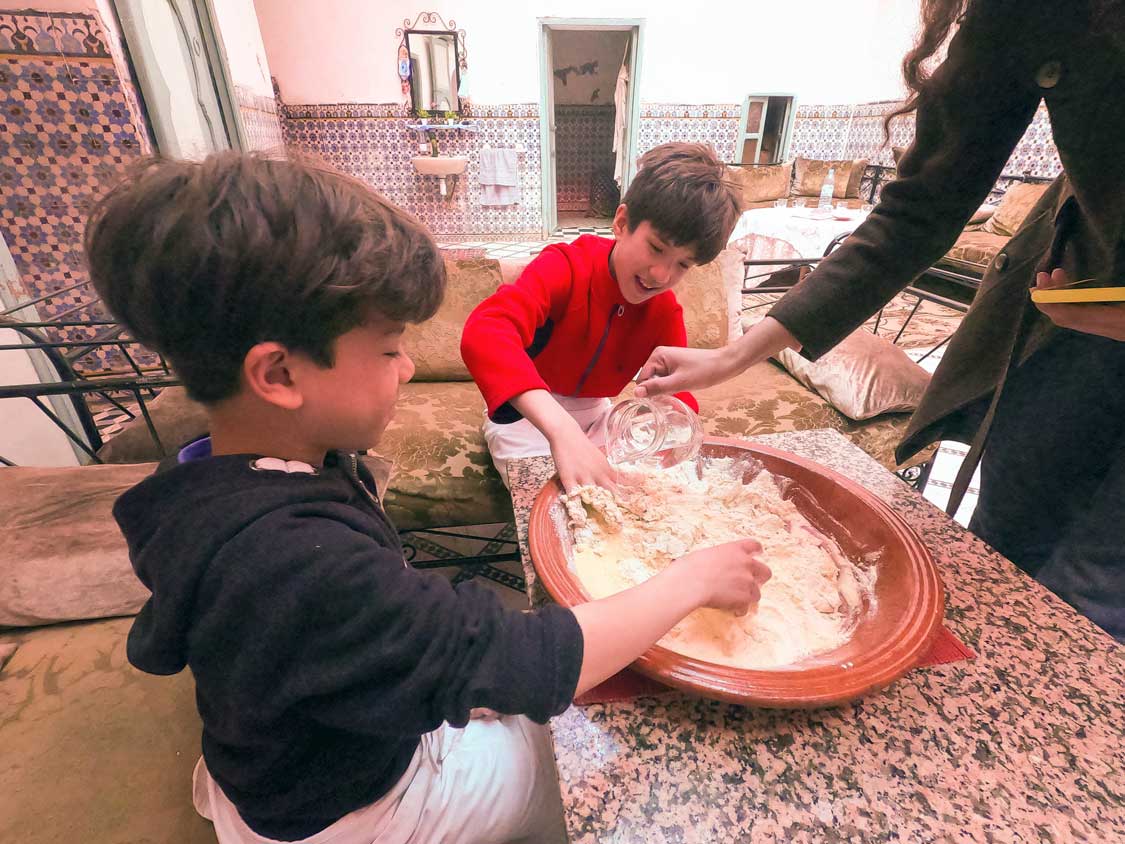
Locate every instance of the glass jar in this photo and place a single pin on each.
(660, 431)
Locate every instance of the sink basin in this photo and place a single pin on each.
(441, 165)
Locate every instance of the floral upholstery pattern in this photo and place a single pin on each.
(435, 345)
(95, 750)
(974, 251)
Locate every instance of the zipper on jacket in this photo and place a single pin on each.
(353, 476)
(618, 311)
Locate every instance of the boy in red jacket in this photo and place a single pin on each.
(550, 351)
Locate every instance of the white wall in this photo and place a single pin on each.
(715, 51)
(606, 50)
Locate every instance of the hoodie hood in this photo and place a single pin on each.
(176, 521)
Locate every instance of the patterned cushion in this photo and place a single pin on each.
(1015, 205)
(62, 555)
(763, 183)
(974, 251)
(435, 345)
(711, 296)
(442, 473)
(765, 400)
(809, 176)
(95, 750)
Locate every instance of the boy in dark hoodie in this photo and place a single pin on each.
(334, 682)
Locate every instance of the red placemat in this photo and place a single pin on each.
(627, 684)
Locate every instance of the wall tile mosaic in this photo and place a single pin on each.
(856, 131)
(372, 141)
(66, 132)
(716, 125)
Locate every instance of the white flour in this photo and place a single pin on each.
(809, 605)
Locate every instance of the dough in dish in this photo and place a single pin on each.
(810, 604)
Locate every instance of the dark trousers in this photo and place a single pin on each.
(1053, 475)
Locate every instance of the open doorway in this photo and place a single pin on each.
(589, 108)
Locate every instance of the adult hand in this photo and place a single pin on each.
(673, 369)
(1103, 320)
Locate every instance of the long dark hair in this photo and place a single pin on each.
(938, 19)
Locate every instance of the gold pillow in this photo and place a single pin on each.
(810, 173)
(855, 178)
(863, 377)
(763, 183)
(711, 296)
(435, 345)
(1014, 207)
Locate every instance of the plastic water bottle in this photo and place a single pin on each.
(827, 189)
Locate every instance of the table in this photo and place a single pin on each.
(784, 233)
(1025, 743)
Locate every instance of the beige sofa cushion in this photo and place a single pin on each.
(810, 173)
(435, 345)
(93, 749)
(862, 377)
(711, 296)
(177, 419)
(62, 555)
(763, 183)
(1014, 207)
(974, 251)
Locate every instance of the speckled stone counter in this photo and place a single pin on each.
(1024, 744)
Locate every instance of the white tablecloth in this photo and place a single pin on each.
(763, 233)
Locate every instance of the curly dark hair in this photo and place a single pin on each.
(938, 19)
(201, 260)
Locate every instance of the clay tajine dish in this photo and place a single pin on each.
(889, 638)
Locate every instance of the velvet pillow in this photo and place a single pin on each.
(763, 183)
(810, 173)
(863, 377)
(435, 345)
(711, 296)
(62, 554)
(1014, 207)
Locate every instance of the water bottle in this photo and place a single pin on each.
(827, 189)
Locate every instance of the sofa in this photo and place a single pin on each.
(94, 750)
(762, 185)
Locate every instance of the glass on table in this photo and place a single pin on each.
(798, 203)
(780, 203)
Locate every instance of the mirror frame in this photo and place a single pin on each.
(442, 28)
(456, 64)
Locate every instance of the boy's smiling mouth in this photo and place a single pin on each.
(644, 286)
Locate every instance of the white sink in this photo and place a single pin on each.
(439, 165)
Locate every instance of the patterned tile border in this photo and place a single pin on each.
(72, 34)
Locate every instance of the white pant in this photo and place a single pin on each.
(492, 782)
(522, 439)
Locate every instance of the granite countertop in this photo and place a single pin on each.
(1024, 743)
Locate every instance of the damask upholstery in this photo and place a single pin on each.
(973, 251)
(93, 749)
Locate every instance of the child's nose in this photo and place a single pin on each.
(406, 369)
(659, 273)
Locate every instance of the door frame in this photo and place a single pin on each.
(547, 152)
(744, 133)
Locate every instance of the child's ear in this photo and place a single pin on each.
(268, 372)
(620, 220)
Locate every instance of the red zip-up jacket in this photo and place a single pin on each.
(563, 326)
